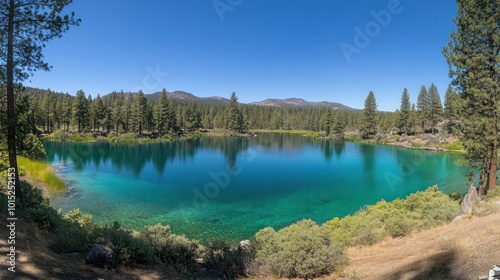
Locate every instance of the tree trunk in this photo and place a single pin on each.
(492, 179)
(11, 116)
(482, 176)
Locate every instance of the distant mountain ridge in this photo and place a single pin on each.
(184, 96)
(300, 102)
(180, 95)
(272, 102)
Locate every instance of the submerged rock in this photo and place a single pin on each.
(102, 257)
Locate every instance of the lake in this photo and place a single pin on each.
(228, 188)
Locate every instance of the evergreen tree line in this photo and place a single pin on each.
(47, 111)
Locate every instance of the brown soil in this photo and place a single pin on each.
(34, 260)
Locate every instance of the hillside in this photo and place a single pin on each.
(465, 249)
(217, 100)
(185, 96)
(299, 102)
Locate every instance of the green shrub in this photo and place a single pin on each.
(130, 250)
(224, 262)
(71, 237)
(32, 148)
(44, 217)
(32, 197)
(85, 221)
(37, 208)
(420, 210)
(455, 146)
(301, 250)
(172, 249)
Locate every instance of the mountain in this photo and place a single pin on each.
(299, 102)
(185, 96)
(217, 100)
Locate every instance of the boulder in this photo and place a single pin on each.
(456, 219)
(102, 257)
(244, 244)
(466, 206)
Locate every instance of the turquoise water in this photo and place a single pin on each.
(229, 188)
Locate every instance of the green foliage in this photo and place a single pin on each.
(436, 108)
(171, 248)
(472, 53)
(130, 250)
(85, 221)
(37, 208)
(455, 146)
(234, 117)
(420, 210)
(44, 172)
(369, 124)
(301, 250)
(224, 262)
(424, 102)
(71, 237)
(452, 110)
(405, 110)
(164, 115)
(81, 115)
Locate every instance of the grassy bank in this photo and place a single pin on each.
(39, 171)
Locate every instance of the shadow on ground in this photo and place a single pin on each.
(435, 267)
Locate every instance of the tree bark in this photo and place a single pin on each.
(492, 176)
(11, 115)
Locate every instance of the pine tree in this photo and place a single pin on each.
(26, 26)
(404, 113)
(436, 110)
(100, 112)
(139, 112)
(163, 114)
(424, 102)
(119, 113)
(473, 53)
(234, 118)
(193, 117)
(58, 111)
(369, 125)
(338, 126)
(451, 109)
(413, 119)
(80, 111)
(327, 121)
(67, 111)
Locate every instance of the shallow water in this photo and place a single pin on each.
(228, 188)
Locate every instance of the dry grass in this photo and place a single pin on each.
(461, 250)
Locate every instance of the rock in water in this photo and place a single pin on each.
(102, 257)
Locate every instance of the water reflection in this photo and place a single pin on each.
(133, 157)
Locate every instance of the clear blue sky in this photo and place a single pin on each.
(259, 49)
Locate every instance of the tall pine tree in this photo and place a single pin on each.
(436, 107)
(424, 107)
(404, 112)
(473, 53)
(369, 122)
